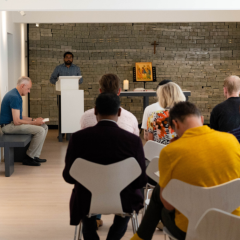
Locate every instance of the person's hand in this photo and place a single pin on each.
(38, 121)
(39, 118)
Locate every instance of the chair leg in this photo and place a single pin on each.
(75, 233)
(80, 234)
(144, 200)
(133, 224)
(137, 224)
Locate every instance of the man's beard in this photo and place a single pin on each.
(68, 62)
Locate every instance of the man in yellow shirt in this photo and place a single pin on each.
(201, 157)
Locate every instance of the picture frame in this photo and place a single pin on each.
(144, 72)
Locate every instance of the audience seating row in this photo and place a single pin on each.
(9, 143)
(195, 202)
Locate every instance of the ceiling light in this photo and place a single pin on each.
(37, 24)
(22, 13)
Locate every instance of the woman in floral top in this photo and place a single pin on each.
(157, 125)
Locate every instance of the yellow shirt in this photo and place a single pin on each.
(201, 157)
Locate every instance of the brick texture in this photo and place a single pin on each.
(197, 56)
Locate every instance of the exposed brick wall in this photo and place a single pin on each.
(197, 56)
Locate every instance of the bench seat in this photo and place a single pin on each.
(9, 142)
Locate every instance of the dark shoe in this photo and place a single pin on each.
(39, 160)
(30, 162)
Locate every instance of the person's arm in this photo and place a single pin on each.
(213, 120)
(135, 126)
(144, 124)
(165, 170)
(79, 74)
(150, 136)
(167, 205)
(69, 159)
(25, 120)
(54, 76)
(145, 136)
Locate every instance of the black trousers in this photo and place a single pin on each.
(116, 231)
(156, 212)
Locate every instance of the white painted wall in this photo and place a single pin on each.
(17, 65)
(112, 5)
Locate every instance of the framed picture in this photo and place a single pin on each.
(144, 72)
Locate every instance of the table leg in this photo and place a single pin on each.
(145, 102)
(59, 119)
(9, 161)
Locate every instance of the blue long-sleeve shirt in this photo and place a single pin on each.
(62, 70)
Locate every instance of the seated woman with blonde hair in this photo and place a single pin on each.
(158, 126)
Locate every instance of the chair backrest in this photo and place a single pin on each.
(152, 149)
(218, 225)
(193, 201)
(152, 169)
(105, 182)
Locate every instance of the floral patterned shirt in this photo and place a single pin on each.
(158, 125)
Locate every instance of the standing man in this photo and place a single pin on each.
(66, 69)
(226, 115)
(12, 121)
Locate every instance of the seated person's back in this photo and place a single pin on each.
(158, 125)
(111, 83)
(226, 115)
(201, 157)
(105, 144)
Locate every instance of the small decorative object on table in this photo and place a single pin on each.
(125, 85)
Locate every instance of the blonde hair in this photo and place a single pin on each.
(169, 94)
(232, 84)
(23, 80)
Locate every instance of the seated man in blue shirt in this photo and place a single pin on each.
(66, 69)
(12, 121)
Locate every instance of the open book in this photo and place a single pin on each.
(46, 120)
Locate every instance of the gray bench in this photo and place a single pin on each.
(9, 142)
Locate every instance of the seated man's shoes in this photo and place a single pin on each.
(30, 162)
(39, 160)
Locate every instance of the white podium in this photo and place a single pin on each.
(70, 104)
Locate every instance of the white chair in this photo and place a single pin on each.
(193, 201)
(106, 193)
(218, 225)
(152, 149)
(151, 171)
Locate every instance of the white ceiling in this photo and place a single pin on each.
(127, 16)
(111, 5)
(116, 11)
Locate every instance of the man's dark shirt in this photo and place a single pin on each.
(104, 143)
(63, 70)
(236, 133)
(226, 115)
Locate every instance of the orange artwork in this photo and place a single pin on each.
(144, 71)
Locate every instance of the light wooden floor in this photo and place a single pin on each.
(34, 200)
